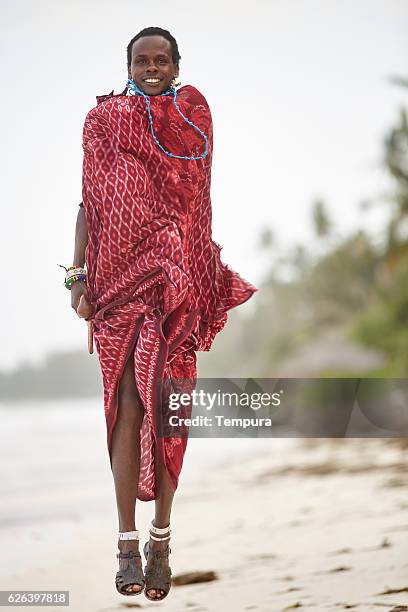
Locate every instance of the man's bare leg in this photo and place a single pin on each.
(125, 453)
(163, 503)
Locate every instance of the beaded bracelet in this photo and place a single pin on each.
(72, 279)
(73, 274)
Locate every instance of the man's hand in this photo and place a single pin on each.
(79, 300)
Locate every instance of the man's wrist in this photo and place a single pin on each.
(74, 274)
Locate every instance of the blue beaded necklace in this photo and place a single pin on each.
(131, 85)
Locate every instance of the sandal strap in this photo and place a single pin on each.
(129, 535)
(128, 555)
(160, 554)
(156, 554)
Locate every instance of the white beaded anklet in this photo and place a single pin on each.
(160, 531)
(129, 535)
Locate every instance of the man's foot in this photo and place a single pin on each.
(157, 561)
(126, 546)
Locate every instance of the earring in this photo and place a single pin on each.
(174, 83)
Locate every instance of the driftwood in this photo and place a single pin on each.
(194, 578)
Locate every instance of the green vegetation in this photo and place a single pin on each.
(358, 285)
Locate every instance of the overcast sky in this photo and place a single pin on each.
(300, 100)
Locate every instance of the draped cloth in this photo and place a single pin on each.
(155, 277)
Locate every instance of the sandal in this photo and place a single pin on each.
(133, 573)
(157, 577)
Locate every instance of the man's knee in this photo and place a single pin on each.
(130, 406)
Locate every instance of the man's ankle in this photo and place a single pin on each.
(127, 544)
(159, 545)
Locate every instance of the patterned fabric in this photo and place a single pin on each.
(155, 277)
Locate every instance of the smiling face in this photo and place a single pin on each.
(152, 67)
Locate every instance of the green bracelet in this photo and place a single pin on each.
(75, 277)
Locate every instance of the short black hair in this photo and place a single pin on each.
(153, 31)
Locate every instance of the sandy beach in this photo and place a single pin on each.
(283, 524)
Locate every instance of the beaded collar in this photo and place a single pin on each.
(134, 90)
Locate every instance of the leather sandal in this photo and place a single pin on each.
(133, 573)
(157, 577)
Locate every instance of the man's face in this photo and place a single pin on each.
(152, 60)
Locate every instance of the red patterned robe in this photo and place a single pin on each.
(155, 277)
